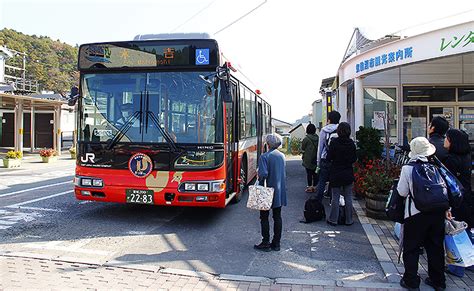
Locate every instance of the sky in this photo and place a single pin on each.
(285, 47)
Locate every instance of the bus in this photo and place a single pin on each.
(165, 121)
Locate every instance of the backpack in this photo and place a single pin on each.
(429, 189)
(330, 136)
(456, 190)
(313, 210)
(395, 207)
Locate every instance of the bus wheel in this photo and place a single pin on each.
(243, 181)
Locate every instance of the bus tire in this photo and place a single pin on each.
(243, 181)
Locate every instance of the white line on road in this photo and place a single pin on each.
(35, 188)
(38, 208)
(39, 199)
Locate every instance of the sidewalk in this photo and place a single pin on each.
(32, 162)
(385, 244)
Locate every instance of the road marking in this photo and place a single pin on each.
(35, 188)
(39, 199)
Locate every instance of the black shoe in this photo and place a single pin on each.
(404, 285)
(275, 247)
(430, 283)
(331, 223)
(265, 247)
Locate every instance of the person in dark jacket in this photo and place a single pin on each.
(309, 146)
(458, 161)
(437, 131)
(341, 155)
(272, 170)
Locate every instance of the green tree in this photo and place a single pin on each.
(52, 63)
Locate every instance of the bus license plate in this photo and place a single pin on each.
(139, 196)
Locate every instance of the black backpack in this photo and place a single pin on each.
(313, 210)
(329, 136)
(430, 192)
(395, 207)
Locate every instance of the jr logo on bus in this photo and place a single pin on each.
(140, 165)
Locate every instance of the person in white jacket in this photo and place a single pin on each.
(421, 229)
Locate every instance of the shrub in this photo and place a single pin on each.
(14, 155)
(369, 146)
(48, 152)
(295, 146)
(72, 150)
(374, 177)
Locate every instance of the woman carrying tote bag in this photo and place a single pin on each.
(272, 170)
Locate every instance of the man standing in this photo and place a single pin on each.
(437, 130)
(327, 133)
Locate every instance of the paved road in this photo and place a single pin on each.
(41, 216)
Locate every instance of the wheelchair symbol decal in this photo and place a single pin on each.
(202, 56)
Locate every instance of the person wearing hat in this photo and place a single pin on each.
(271, 169)
(421, 229)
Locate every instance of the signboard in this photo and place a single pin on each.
(133, 54)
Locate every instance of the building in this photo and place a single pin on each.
(317, 114)
(299, 131)
(406, 81)
(280, 127)
(35, 120)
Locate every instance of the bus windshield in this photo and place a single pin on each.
(130, 107)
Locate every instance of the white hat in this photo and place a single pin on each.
(420, 146)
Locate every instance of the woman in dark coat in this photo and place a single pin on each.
(309, 146)
(458, 162)
(341, 154)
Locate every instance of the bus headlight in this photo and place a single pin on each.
(218, 186)
(203, 187)
(97, 183)
(86, 182)
(190, 187)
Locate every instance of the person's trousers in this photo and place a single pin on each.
(323, 179)
(424, 230)
(311, 177)
(277, 226)
(345, 191)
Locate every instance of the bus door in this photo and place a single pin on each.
(231, 147)
(259, 128)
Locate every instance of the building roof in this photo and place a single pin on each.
(304, 125)
(6, 52)
(54, 96)
(281, 121)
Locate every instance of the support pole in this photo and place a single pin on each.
(33, 129)
(358, 103)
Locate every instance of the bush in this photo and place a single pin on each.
(72, 150)
(295, 146)
(48, 152)
(369, 146)
(14, 155)
(374, 177)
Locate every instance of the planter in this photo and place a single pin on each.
(49, 159)
(73, 156)
(11, 163)
(375, 205)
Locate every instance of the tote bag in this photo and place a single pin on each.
(260, 197)
(459, 250)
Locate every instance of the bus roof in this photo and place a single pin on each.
(168, 36)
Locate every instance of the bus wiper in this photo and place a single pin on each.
(123, 130)
(163, 131)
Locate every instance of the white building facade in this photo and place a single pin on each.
(411, 80)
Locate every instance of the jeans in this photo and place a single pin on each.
(424, 230)
(345, 191)
(311, 177)
(323, 179)
(277, 226)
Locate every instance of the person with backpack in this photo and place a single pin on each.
(426, 208)
(272, 170)
(341, 156)
(437, 131)
(327, 134)
(458, 162)
(309, 146)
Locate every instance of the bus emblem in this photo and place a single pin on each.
(140, 165)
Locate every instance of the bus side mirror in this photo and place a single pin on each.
(73, 96)
(225, 91)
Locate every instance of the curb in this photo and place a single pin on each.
(205, 275)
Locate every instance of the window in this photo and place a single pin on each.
(466, 94)
(253, 131)
(428, 94)
(242, 112)
(377, 103)
(414, 122)
(248, 113)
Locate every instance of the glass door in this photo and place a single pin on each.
(446, 112)
(466, 123)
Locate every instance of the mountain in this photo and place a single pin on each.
(51, 62)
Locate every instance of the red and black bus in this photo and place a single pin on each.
(165, 121)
